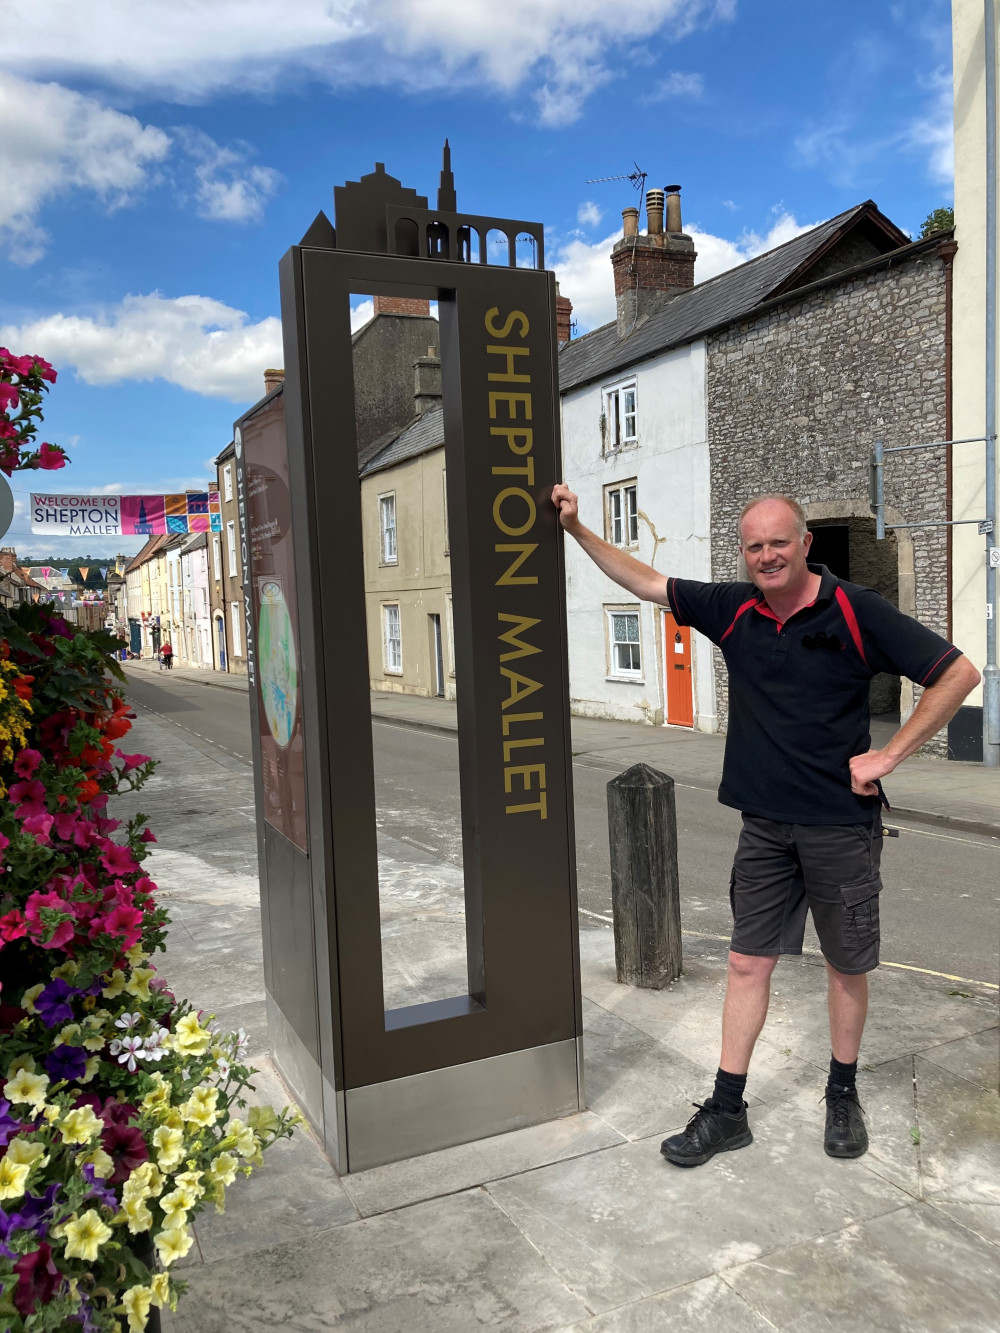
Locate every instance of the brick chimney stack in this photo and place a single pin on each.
(426, 381)
(564, 317)
(272, 378)
(401, 305)
(649, 270)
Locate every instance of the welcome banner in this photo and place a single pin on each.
(125, 515)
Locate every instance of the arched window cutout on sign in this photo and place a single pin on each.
(526, 250)
(497, 247)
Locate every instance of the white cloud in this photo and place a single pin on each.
(230, 189)
(54, 140)
(584, 271)
(362, 313)
(588, 214)
(192, 341)
(564, 47)
(676, 84)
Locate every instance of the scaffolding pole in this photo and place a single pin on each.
(991, 675)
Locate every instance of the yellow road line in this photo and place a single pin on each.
(903, 967)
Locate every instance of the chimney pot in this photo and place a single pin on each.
(630, 218)
(674, 208)
(654, 212)
(272, 378)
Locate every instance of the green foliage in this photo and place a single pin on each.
(942, 219)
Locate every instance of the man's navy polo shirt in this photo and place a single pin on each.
(798, 691)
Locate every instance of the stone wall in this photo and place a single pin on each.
(796, 399)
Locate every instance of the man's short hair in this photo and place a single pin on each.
(798, 512)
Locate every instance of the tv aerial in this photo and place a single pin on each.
(637, 177)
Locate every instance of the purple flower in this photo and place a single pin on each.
(66, 1062)
(35, 1212)
(98, 1190)
(53, 1005)
(9, 1125)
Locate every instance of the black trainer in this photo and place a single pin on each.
(846, 1135)
(710, 1130)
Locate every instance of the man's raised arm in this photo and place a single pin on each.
(641, 580)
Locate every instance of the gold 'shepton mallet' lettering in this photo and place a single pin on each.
(514, 515)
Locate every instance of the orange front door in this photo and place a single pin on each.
(677, 667)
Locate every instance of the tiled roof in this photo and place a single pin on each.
(426, 432)
(708, 305)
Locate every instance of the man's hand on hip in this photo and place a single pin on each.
(865, 768)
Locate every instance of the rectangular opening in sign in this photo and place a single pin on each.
(411, 657)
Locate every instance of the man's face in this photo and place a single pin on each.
(774, 552)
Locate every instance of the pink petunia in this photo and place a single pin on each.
(37, 928)
(118, 860)
(26, 763)
(124, 921)
(26, 791)
(147, 835)
(85, 834)
(43, 369)
(65, 825)
(12, 926)
(39, 825)
(51, 456)
(8, 396)
(132, 761)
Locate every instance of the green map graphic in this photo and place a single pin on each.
(279, 675)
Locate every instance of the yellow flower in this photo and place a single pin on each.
(190, 1180)
(137, 1214)
(138, 982)
(262, 1119)
(94, 1042)
(190, 1037)
(174, 1219)
(223, 1169)
(26, 1152)
(160, 1287)
(199, 1109)
(143, 1181)
(27, 1087)
(85, 1235)
(115, 986)
(80, 1125)
(101, 1162)
(30, 996)
(13, 1178)
(51, 1114)
(169, 1144)
(65, 971)
(66, 1036)
(158, 1095)
(137, 1301)
(173, 1118)
(20, 1062)
(89, 1001)
(172, 1244)
(241, 1137)
(90, 1068)
(136, 955)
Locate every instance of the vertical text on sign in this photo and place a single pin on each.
(514, 516)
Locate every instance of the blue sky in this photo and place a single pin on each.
(158, 160)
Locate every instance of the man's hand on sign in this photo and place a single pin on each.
(865, 768)
(567, 505)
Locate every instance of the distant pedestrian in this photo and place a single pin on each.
(167, 654)
(801, 647)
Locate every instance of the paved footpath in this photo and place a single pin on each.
(579, 1224)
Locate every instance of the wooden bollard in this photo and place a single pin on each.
(645, 888)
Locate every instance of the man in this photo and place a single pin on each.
(801, 647)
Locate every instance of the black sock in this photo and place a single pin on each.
(844, 1076)
(729, 1090)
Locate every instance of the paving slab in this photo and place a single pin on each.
(982, 1218)
(701, 1307)
(975, 1058)
(447, 1266)
(959, 1137)
(911, 1271)
(625, 1224)
(451, 1170)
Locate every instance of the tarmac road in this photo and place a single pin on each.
(940, 907)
